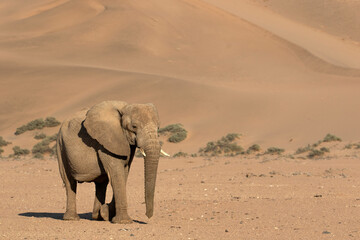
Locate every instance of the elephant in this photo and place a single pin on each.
(98, 145)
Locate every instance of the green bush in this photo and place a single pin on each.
(176, 131)
(44, 146)
(37, 124)
(3, 143)
(352, 145)
(41, 147)
(51, 122)
(180, 154)
(177, 137)
(225, 146)
(318, 152)
(40, 136)
(51, 138)
(53, 150)
(331, 138)
(19, 151)
(1, 151)
(274, 150)
(38, 155)
(253, 148)
(325, 149)
(304, 149)
(315, 153)
(348, 146)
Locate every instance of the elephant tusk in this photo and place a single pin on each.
(142, 152)
(164, 153)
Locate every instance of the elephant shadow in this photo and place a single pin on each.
(59, 216)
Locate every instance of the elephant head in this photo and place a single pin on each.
(117, 126)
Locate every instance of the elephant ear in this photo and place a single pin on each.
(103, 123)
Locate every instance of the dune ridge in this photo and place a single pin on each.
(213, 70)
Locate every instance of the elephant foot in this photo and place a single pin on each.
(107, 211)
(104, 212)
(96, 215)
(122, 220)
(71, 216)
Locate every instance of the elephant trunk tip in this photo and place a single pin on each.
(149, 214)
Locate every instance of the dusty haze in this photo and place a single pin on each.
(280, 72)
(214, 66)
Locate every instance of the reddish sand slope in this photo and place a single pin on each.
(209, 65)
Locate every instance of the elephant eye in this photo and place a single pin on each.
(134, 126)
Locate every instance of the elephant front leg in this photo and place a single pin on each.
(119, 189)
(107, 211)
(117, 175)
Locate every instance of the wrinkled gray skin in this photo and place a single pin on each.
(98, 145)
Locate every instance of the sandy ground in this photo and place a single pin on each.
(214, 66)
(247, 197)
(282, 73)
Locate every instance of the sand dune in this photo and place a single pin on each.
(319, 43)
(214, 66)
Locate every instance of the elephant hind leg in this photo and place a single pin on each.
(71, 214)
(70, 186)
(100, 194)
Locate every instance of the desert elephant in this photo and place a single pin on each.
(98, 145)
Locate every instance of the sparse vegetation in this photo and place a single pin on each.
(225, 146)
(348, 146)
(274, 150)
(138, 154)
(37, 124)
(41, 147)
(180, 154)
(318, 152)
(40, 136)
(44, 146)
(51, 122)
(38, 156)
(331, 138)
(20, 152)
(315, 153)
(325, 149)
(253, 148)
(352, 145)
(317, 143)
(1, 151)
(3, 143)
(176, 131)
(304, 149)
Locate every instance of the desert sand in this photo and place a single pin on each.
(282, 73)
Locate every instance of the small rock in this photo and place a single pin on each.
(318, 195)
(226, 230)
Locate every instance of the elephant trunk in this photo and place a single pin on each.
(152, 151)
